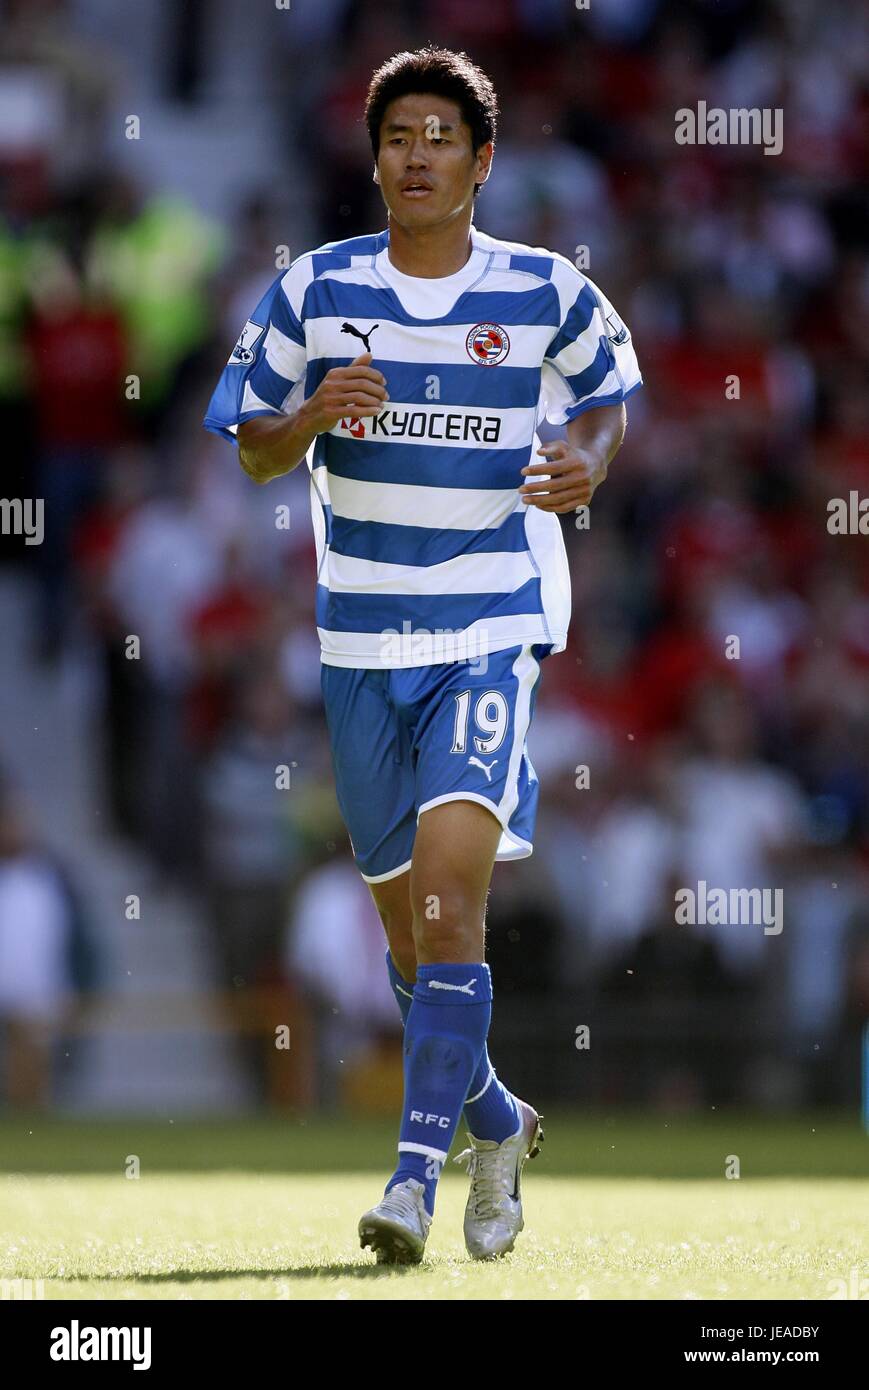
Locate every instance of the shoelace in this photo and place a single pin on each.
(403, 1202)
(491, 1181)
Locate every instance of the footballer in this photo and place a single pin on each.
(410, 369)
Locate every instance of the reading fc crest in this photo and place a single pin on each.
(487, 344)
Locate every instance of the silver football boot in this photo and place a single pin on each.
(493, 1215)
(397, 1228)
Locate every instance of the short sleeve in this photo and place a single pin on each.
(591, 360)
(267, 365)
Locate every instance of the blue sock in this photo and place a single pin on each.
(401, 988)
(490, 1109)
(444, 1035)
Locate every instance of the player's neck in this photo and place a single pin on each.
(430, 252)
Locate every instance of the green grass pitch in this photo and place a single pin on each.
(616, 1207)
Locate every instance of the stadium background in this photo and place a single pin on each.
(155, 777)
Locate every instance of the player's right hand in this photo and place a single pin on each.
(358, 390)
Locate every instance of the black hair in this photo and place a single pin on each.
(443, 73)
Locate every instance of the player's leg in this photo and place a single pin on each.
(490, 1111)
(477, 793)
(392, 900)
(448, 1018)
(375, 785)
(453, 857)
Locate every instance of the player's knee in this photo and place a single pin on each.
(445, 910)
(399, 934)
(445, 924)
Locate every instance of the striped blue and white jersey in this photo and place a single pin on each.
(425, 551)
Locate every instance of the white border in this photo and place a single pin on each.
(393, 873)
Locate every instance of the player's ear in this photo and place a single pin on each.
(376, 175)
(485, 154)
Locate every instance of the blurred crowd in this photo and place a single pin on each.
(667, 753)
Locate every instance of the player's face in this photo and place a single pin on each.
(427, 167)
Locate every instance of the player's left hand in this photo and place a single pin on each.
(573, 477)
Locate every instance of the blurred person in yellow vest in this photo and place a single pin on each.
(156, 256)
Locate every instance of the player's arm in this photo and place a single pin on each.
(272, 445)
(578, 465)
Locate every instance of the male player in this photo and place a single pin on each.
(442, 578)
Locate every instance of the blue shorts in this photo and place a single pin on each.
(406, 739)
